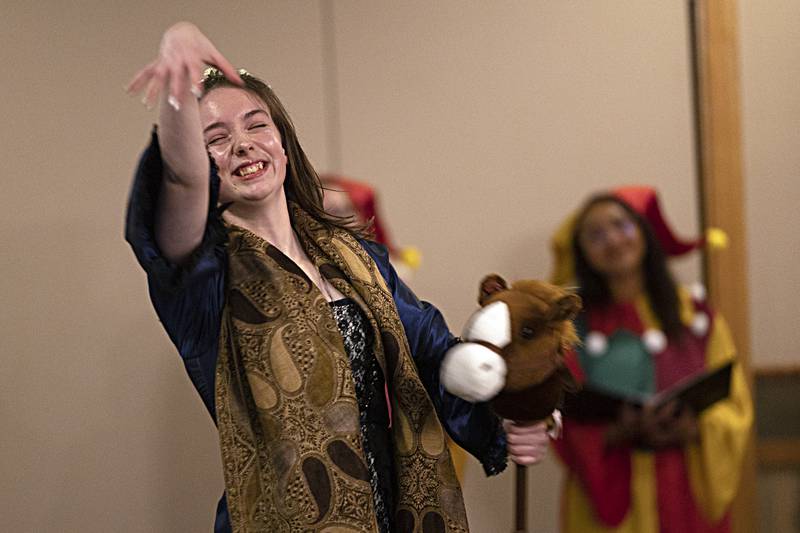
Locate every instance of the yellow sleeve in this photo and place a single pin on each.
(715, 462)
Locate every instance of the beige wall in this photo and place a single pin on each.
(484, 127)
(771, 129)
(770, 50)
(102, 431)
(481, 126)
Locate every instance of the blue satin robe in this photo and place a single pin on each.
(189, 301)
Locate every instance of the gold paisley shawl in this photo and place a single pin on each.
(286, 406)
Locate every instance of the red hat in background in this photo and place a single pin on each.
(362, 196)
(644, 200)
(361, 202)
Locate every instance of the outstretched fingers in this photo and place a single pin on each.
(183, 54)
(195, 74)
(178, 81)
(140, 79)
(154, 86)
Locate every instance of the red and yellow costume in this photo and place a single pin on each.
(676, 490)
(625, 489)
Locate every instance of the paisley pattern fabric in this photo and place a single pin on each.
(287, 407)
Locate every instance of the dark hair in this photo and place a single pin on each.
(302, 184)
(659, 284)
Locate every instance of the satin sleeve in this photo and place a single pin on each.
(187, 298)
(473, 426)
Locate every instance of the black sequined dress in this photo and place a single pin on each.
(369, 384)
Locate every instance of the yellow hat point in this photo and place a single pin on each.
(717, 239)
(411, 256)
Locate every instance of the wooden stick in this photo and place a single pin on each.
(521, 499)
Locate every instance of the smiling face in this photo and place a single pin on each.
(611, 240)
(246, 145)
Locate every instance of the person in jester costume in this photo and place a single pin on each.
(663, 469)
(347, 197)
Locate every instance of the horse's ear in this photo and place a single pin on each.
(566, 308)
(491, 284)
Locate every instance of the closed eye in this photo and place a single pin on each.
(257, 126)
(216, 140)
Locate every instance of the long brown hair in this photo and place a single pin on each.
(302, 184)
(659, 284)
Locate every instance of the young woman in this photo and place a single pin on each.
(319, 366)
(654, 470)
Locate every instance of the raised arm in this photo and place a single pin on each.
(173, 79)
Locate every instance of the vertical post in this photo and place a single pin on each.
(722, 193)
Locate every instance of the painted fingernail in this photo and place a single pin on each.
(197, 92)
(171, 100)
(147, 104)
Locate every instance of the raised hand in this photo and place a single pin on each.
(183, 54)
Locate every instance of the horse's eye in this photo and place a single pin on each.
(526, 332)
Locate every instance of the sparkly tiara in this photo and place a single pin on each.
(215, 74)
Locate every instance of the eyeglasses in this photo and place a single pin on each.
(601, 236)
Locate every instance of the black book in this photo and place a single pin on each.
(697, 392)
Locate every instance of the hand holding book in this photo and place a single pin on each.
(653, 427)
(671, 424)
(626, 428)
(694, 394)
